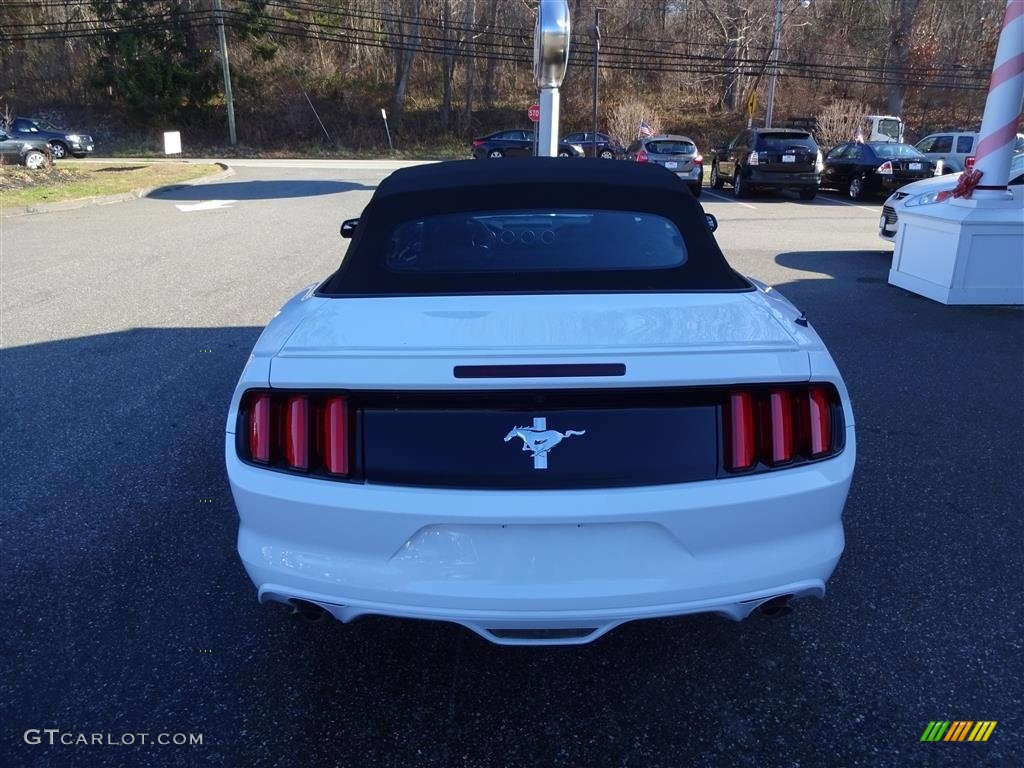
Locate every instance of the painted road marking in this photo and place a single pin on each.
(729, 199)
(876, 211)
(206, 205)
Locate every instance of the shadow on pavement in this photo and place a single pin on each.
(256, 190)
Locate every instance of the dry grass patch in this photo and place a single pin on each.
(69, 180)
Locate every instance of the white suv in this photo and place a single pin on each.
(955, 149)
(952, 148)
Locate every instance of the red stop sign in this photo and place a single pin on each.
(533, 112)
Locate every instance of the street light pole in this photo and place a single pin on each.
(550, 58)
(596, 36)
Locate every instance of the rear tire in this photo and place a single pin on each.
(716, 181)
(856, 189)
(495, 153)
(563, 153)
(808, 194)
(607, 154)
(739, 187)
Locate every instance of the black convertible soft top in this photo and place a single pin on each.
(540, 184)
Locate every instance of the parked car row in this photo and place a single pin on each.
(768, 159)
(34, 142)
(62, 142)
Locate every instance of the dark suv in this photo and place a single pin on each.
(769, 158)
(62, 143)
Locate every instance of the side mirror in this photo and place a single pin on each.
(711, 221)
(348, 228)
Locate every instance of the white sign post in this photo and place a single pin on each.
(550, 58)
(387, 130)
(172, 143)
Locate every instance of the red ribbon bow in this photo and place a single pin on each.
(965, 187)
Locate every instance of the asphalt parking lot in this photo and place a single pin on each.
(124, 328)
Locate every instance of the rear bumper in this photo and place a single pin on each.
(542, 560)
(693, 176)
(781, 180)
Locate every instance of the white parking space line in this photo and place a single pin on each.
(876, 211)
(729, 199)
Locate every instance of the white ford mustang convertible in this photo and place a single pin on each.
(536, 401)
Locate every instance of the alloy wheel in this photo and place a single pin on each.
(34, 160)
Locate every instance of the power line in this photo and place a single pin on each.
(514, 46)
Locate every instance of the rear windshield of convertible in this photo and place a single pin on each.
(535, 241)
(540, 225)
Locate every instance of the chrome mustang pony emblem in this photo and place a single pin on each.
(539, 439)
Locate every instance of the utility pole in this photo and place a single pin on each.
(776, 40)
(226, 67)
(595, 35)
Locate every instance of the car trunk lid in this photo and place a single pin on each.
(538, 391)
(417, 342)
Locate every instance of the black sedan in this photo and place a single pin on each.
(515, 143)
(607, 147)
(867, 170)
(62, 142)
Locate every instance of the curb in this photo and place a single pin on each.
(135, 194)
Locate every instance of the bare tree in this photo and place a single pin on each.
(405, 28)
(902, 28)
(838, 122)
(625, 118)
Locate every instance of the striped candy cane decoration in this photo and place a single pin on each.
(1003, 106)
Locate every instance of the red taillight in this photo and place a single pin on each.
(304, 432)
(478, 143)
(334, 435)
(296, 432)
(641, 156)
(780, 421)
(969, 163)
(259, 429)
(885, 168)
(820, 426)
(698, 159)
(778, 426)
(740, 437)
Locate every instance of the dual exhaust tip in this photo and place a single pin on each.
(304, 610)
(777, 606)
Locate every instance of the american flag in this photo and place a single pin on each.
(645, 129)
